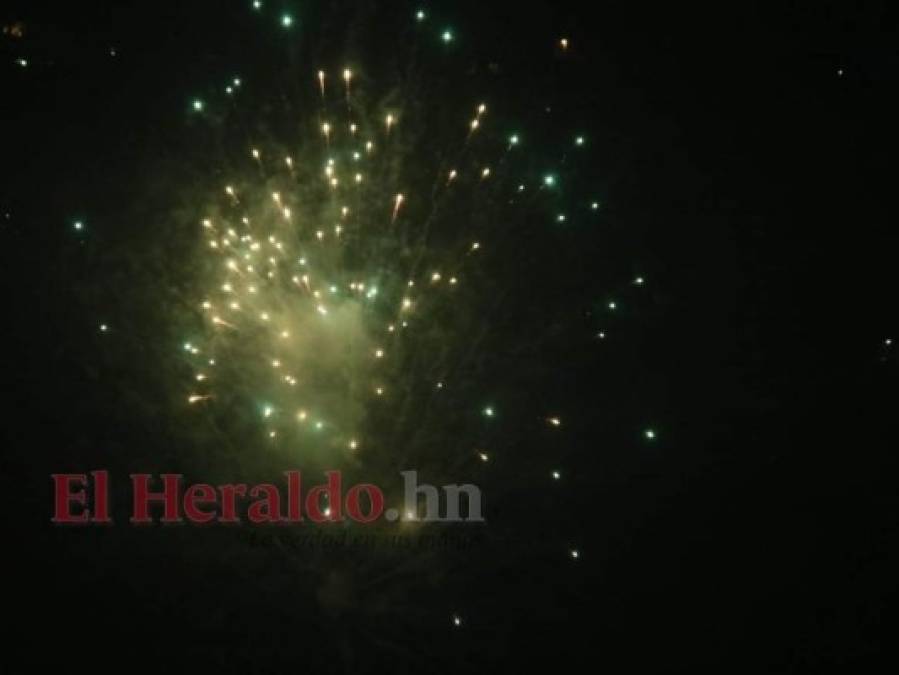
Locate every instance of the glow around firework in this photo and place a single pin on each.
(352, 266)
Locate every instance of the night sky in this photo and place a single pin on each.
(653, 319)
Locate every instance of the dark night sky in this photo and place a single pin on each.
(746, 154)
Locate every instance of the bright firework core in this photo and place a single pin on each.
(312, 284)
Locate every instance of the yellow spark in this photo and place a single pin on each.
(397, 203)
(321, 81)
(347, 76)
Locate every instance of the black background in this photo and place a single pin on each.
(757, 182)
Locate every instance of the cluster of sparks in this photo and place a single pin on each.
(281, 282)
(305, 309)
